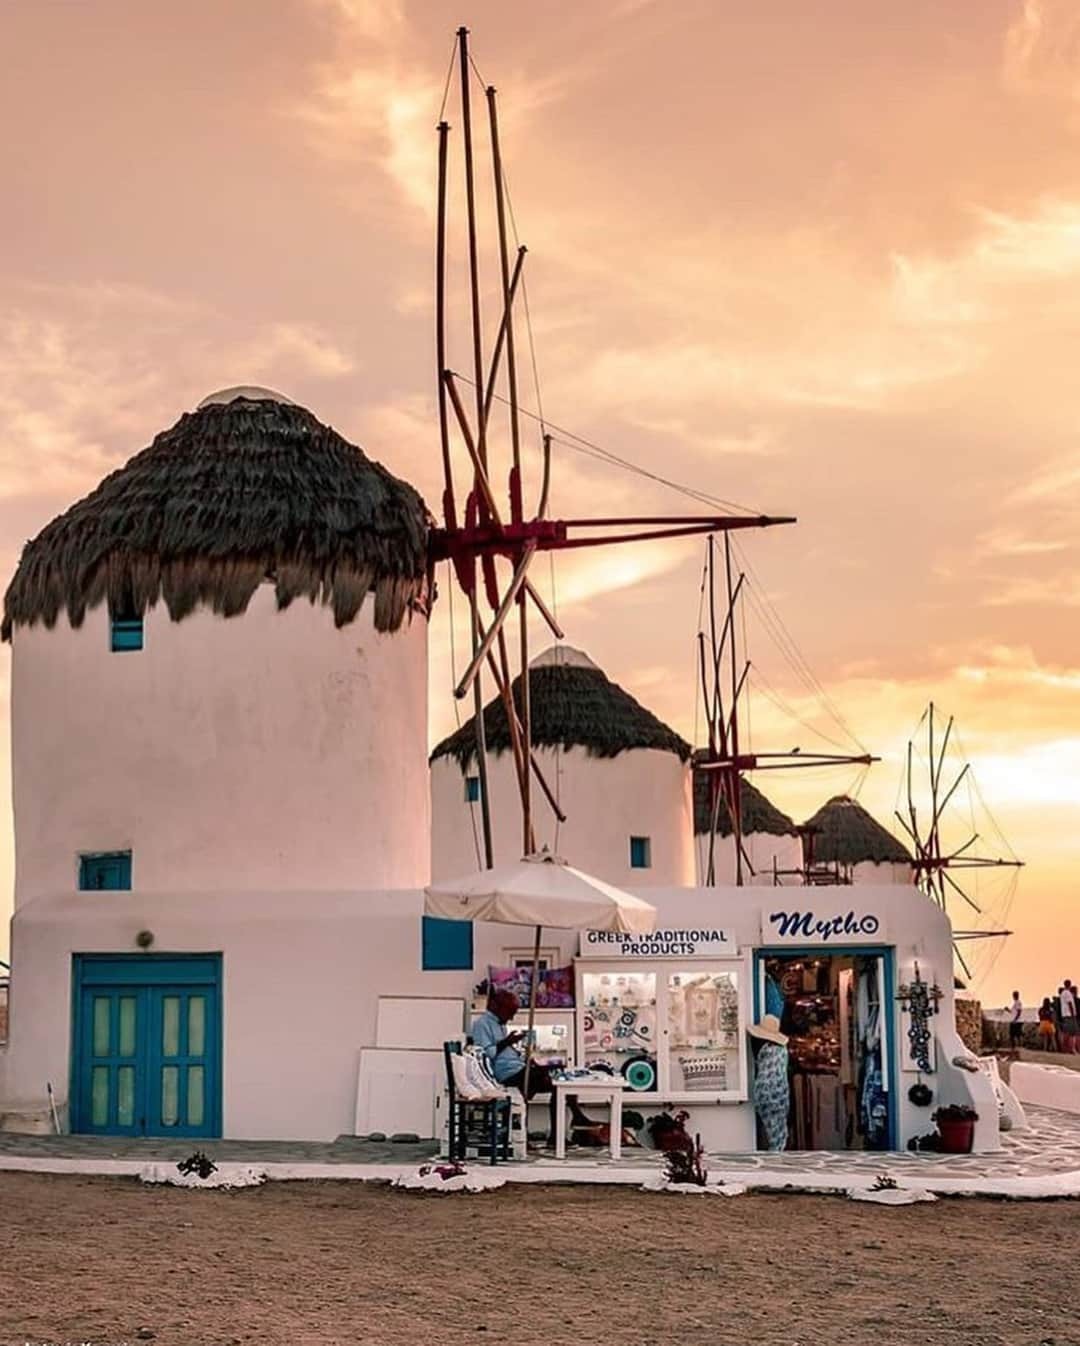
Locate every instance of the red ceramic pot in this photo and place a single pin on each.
(956, 1137)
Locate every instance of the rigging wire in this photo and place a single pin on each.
(985, 806)
(765, 687)
(449, 77)
(579, 444)
(757, 586)
(798, 665)
(592, 450)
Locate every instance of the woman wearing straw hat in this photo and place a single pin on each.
(772, 1092)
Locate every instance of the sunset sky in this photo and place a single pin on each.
(819, 260)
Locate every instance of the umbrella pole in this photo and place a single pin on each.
(532, 1019)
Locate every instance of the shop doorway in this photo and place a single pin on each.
(834, 1007)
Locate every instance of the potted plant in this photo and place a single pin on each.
(956, 1126)
(667, 1131)
(686, 1167)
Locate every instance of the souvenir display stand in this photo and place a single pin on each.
(854, 974)
(668, 1013)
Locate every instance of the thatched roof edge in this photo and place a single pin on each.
(571, 707)
(232, 496)
(846, 834)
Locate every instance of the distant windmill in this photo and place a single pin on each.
(486, 532)
(723, 673)
(943, 870)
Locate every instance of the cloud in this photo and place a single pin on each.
(383, 117)
(1052, 591)
(297, 346)
(1009, 542)
(1041, 53)
(376, 20)
(1050, 483)
(1044, 773)
(87, 375)
(378, 97)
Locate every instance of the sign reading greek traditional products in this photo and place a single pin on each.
(660, 944)
(813, 925)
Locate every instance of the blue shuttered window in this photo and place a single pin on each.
(108, 871)
(127, 634)
(472, 789)
(640, 853)
(446, 946)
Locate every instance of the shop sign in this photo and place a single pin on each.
(667, 943)
(811, 925)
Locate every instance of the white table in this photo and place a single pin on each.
(609, 1091)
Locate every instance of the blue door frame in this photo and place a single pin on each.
(888, 956)
(146, 1044)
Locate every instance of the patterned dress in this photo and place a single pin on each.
(772, 1094)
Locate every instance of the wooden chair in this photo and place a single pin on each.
(484, 1122)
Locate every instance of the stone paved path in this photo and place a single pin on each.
(1051, 1147)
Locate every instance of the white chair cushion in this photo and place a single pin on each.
(463, 1084)
(481, 1081)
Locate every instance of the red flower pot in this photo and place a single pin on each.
(957, 1137)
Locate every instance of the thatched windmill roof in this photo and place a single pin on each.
(573, 705)
(246, 488)
(846, 834)
(758, 814)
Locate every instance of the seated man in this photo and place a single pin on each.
(508, 1062)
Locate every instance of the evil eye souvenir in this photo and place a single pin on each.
(588, 1023)
(640, 1074)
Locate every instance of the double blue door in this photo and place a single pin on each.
(147, 1045)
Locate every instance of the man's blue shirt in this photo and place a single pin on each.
(487, 1033)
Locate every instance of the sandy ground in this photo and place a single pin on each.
(299, 1264)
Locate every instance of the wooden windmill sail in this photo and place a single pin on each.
(724, 672)
(493, 534)
(943, 869)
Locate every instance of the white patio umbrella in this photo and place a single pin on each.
(539, 890)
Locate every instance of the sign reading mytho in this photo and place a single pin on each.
(805, 925)
(660, 944)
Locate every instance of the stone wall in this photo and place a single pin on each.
(969, 1023)
(995, 1035)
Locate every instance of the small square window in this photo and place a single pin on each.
(640, 853)
(472, 789)
(127, 634)
(446, 946)
(109, 871)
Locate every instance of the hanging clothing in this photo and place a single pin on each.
(772, 1098)
(874, 1105)
(774, 997)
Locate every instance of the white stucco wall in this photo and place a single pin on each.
(607, 800)
(264, 751)
(761, 847)
(869, 873)
(302, 972)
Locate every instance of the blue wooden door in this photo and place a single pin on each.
(147, 1059)
(182, 1028)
